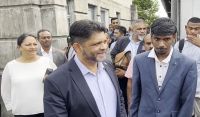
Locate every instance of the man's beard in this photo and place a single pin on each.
(140, 38)
(161, 51)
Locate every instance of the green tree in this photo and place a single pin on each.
(147, 9)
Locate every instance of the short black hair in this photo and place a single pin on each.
(163, 27)
(121, 29)
(80, 31)
(22, 37)
(194, 20)
(41, 30)
(114, 18)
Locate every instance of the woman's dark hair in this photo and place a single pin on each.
(82, 30)
(22, 37)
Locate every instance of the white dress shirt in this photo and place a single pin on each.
(132, 46)
(102, 89)
(192, 51)
(161, 66)
(48, 55)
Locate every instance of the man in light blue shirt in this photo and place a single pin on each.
(86, 86)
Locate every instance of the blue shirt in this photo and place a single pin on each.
(102, 88)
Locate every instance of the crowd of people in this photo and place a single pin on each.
(143, 72)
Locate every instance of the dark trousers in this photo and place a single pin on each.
(123, 86)
(35, 115)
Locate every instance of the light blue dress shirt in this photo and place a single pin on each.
(102, 88)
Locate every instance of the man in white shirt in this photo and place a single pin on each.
(164, 82)
(56, 55)
(192, 51)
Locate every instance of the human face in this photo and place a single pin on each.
(117, 34)
(140, 30)
(192, 29)
(28, 47)
(45, 39)
(148, 43)
(94, 50)
(115, 23)
(162, 44)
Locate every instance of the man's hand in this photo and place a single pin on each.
(120, 72)
(194, 40)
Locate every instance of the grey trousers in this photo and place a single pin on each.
(197, 107)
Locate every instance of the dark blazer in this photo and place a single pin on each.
(119, 46)
(59, 57)
(174, 99)
(66, 93)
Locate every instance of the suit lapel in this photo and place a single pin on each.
(153, 73)
(170, 71)
(83, 87)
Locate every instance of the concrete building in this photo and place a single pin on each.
(181, 11)
(20, 16)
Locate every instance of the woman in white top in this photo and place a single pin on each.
(22, 80)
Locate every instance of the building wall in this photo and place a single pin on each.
(20, 16)
(112, 6)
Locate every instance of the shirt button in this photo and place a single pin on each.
(158, 111)
(158, 99)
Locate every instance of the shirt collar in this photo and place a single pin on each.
(152, 54)
(84, 70)
(131, 40)
(50, 51)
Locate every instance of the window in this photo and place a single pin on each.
(92, 12)
(118, 16)
(104, 17)
(70, 12)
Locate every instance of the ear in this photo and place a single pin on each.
(185, 26)
(18, 47)
(174, 38)
(77, 47)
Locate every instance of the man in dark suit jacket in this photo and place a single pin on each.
(164, 81)
(86, 86)
(45, 38)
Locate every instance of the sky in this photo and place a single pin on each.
(161, 11)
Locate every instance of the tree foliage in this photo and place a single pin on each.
(147, 9)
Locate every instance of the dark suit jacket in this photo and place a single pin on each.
(59, 57)
(119, 46)
(66, 93)
(174, 99)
